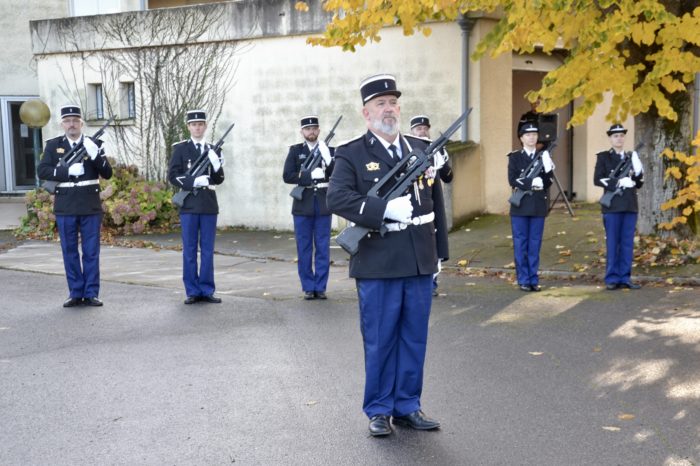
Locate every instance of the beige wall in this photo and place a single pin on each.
(492, 77)
(17, 73)
(282, 79)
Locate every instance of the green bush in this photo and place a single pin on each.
(131, 204)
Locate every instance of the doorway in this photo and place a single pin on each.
(18, 148)
(562, 155)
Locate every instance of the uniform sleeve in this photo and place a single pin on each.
(101, 163)
(514, 174)
(177, 171)
(49, 168)
(600, 173)
(216, 177)
(440, 223)
(330, 166)
(344, 198)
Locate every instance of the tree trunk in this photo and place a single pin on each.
(660, 134)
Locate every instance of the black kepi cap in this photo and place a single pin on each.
(375, 86)
(196, 115)
(309, 120)
(616, 128)
(71, 111)
(527, 127)
(420, 120)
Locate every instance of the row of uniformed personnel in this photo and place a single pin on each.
(394, 272)
(619, 218)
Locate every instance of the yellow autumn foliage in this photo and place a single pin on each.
(637, 50)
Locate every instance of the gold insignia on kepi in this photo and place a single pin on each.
(60, 150)
(372, 166)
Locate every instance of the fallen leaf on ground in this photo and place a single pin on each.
(611, 428)
(535, 353)
(625, 416)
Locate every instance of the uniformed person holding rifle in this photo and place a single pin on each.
(393, 271)
(621, 174)
(312, 219)
(200, 208)
(77, 204)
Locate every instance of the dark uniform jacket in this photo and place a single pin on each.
(293, 174)
(536, 204)
(359, 164)
(605, 163)
(203, 199)
(75, 200)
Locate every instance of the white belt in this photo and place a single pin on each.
(427, 218)
(71, 184)
(212, 187)
(318, 185)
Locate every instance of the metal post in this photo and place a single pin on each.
(37, 153)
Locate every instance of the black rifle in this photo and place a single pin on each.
(530, 172)
(620, 171)
(199, 166)
(313, 161)
(76, 154)
(395, 183)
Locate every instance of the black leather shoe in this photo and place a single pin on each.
(72, 302)
(320, 295)
(379, 425)
(435, 292)
(630, 286)
(191, 299)
(92, 301)
(535, 288)
(525, 288)
(611, 286)
(416, 420)
(309, 295)
(210, 299)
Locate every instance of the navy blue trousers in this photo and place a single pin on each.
(619, 242)
(527, 241)
(394, 316)
(198, 230)
(313, 236)
(82, 273)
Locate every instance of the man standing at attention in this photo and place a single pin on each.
(393, 272)
(200, 209)
(312, 219)
(77, 205)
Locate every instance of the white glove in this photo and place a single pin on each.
(547, 162)
(399, 209)
(214, 159)
(76, 169)
(325, 152)
(90, 147)
(537, 183)
(636, 163)
(201, 181)
(439, 160)
(318, 173)
(626, 182)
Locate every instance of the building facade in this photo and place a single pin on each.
(271, 77)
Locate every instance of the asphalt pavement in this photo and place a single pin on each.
(573, 375)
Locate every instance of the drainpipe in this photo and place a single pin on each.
(696, 105)
(466, 24)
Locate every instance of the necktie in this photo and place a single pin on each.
(394, 152)
(199, 148)
(75, 144)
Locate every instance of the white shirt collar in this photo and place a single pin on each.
(386, 144)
